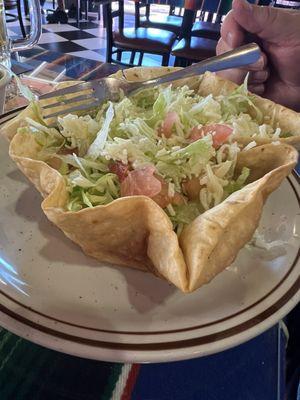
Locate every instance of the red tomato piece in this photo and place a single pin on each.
(163, 199)
(120, 169)
(219, 132)
(170, 120)
(141, 182)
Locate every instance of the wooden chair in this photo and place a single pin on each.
(216, 9)
(192, 48)
(211, 29)
(135, 39)
(169, 22)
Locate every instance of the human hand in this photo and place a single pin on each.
(277, 73)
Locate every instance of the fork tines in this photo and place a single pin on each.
(68, 103)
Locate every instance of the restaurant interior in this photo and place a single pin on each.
(153, 34)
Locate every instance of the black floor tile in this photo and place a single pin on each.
(63, 47)
(30, 52)
(75, 35)
(85, 25)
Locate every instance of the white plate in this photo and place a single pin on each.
(54, 295)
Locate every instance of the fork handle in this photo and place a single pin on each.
(244, 55)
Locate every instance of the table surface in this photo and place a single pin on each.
(30, 374)
(41, 69)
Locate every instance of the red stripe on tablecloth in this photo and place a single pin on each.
(132, 377)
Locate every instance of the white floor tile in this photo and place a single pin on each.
(91, 44)
(51, 38)
(60, 27)
(100, 32)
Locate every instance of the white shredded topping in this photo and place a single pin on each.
(171, 210)
(250, 145)
(277, 133)
(171, 189)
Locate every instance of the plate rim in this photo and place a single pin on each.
(111, 354)
(152, 352)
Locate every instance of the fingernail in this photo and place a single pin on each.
(229, 39)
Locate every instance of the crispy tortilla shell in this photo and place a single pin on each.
(136, 232)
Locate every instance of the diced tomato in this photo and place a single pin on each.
(144, 182)
(141, 182)
(219, 132)
(192, 188)
(120, 169)
(166, 128)
(163, 199)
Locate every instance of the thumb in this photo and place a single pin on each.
(268, 23)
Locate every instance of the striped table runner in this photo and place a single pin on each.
(254, 370)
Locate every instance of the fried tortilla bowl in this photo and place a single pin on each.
(136, 232)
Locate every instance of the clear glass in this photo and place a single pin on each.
(7, 45)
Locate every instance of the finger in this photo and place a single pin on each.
(222, 47)
(235, 75)
(261, 64)
(231, 32)
(268, 23)
(258, 77)
(258, 89)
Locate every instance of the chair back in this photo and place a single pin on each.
(215, 7)
(109, 15)
(190, 8)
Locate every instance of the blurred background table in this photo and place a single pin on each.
(41, 69)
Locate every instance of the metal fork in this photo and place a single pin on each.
(89, 95)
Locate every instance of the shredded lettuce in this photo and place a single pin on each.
(184, 214)
(238, 184)
(101, 137)
(130, 134)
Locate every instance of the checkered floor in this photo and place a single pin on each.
(87, 41)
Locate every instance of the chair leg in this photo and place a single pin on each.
(165, 60)
(20, 18)
(26, 8)
(141, 58)
(78, 14)
(119, 55)
(132, 57)
(104, 17)
(180, 62)
(108, 54)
